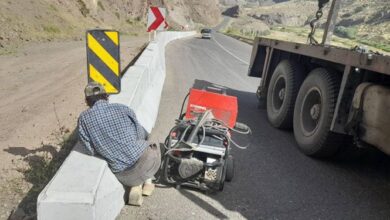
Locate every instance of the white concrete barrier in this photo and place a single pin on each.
(84, 187)
(142, 84)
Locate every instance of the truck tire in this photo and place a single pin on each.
(282, 92)
(313, 114)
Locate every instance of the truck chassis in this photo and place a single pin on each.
(347, 68)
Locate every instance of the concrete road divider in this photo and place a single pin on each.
(84, 187)
(142, 84)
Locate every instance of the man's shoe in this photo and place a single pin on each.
(148, 189)
(135, 196)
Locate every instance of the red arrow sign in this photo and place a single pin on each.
(159, 19)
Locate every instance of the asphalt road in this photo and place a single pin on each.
(273, 180)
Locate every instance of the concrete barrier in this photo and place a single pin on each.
(84, 187)
(142, 84)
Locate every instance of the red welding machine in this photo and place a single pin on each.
(223, 107)
(198, 147)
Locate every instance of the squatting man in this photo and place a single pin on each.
(112, 132)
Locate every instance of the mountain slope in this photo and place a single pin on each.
(46, 20)
(359, 21)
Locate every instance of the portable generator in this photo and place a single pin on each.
(198, 147)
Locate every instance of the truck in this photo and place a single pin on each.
(326, 94)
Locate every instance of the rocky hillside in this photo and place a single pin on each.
(250, 2)
(359, 21)
(183, 13)
(45, 20)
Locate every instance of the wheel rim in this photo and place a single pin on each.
(279, 93)
(311, 111)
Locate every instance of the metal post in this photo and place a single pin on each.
(331, 22)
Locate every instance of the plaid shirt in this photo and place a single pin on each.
(112, 132)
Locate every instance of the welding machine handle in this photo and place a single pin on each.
(215, 90)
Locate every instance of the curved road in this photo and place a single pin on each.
(273, 180)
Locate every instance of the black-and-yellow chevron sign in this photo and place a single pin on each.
(103, 59)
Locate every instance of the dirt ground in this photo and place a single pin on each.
(42, 96)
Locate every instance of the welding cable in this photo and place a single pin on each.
(182, 136)
(171, 148)
(170, 138)
(217, 137)
(168, 145)
(249, 131)
(178, 149)
(214, 125)
(237, 145)
(218, 128)
(182, 105)
(229, 138)
(222, 125)
(204, 135)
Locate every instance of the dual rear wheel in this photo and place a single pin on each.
(306, 104)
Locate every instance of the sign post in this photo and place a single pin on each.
(156, 20)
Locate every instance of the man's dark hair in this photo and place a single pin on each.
(91, 100)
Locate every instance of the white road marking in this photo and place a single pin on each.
(220, 45)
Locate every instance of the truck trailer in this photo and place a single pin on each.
(326, 94)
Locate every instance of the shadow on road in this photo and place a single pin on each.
(201, 203)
